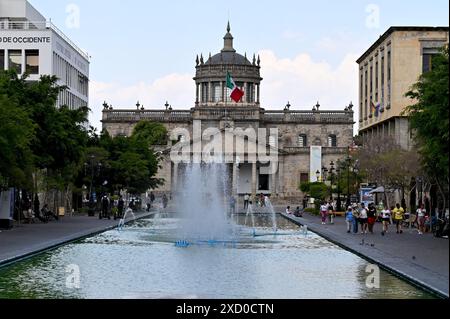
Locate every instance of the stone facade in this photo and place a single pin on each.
(297, 130)
(388, 69)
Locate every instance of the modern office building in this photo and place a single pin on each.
(387, 71)
(31, 44)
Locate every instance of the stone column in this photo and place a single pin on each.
(280, 176)
(258, 94)
(197, 94)
(222, 92)
(245, 100)
(235, 180)
(210, 100)
(175, 177)
(254, 179)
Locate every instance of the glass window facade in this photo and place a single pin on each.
(15, 60)
(2, 59)
(32, 61)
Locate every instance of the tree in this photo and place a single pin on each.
(429, 120)
(384, 163)
(151, 132)
(48, 141)
(317, 190)
(128, 163)
(16, 133)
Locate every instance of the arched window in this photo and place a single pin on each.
(332, 141)
(302, 140)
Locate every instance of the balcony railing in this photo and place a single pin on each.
(41, 25)
(146, 115)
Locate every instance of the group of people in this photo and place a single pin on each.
(360, 217)
(297, 213)
(32, 211)
(260, 200)
(327, 212)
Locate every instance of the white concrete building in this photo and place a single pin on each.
(31, 44)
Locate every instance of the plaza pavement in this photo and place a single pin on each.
(26, 240)
(421, 259)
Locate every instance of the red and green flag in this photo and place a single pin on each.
(236, 93)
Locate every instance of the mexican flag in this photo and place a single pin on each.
(236, 93)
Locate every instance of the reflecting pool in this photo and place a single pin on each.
(143, 262)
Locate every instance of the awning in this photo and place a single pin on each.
(377, 190)
(381, 190)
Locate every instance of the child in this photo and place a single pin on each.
(349, 219)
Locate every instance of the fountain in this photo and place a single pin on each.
(121, 225)
(201, 204)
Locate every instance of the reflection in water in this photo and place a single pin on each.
(143, 262)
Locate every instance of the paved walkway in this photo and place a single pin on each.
(28, 239)
(422, 259)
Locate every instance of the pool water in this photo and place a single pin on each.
(143, 262)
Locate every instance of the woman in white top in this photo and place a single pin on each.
(363, 219)
(386, 217)
(421, 212)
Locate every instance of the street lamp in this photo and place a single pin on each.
(349, 162)
(339, 203)
(331, 179)
(91, 165)
(325, 173)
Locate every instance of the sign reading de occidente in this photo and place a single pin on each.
(25, 40)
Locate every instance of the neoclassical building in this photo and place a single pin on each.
(306, 141)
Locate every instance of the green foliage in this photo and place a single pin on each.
(16, 133)
(315, 190)
(40, 136)
(429, 117)
(127, 162)
(151, 132)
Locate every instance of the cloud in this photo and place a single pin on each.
(177, 89)
(299, 80)
(303, 81)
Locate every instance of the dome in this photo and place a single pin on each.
(228, 57)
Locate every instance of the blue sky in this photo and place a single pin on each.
(146, 49)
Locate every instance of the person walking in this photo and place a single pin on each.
(421, 214)
(262, 200)
(232, 205)
(323, 212)
(246, 201)
(371, 217)
(105, 208)
(349, 219)
(331, 212)
(120, 208)
(355, 211)
(363, 219)
(152, 198)
(398, 213)
(165, 201)
(386, 219)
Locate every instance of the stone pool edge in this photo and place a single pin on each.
(57, 243)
